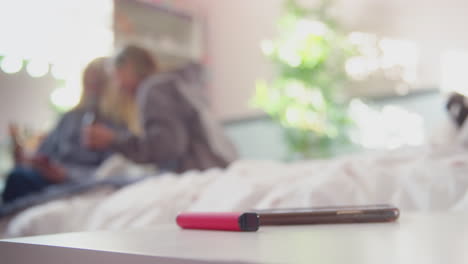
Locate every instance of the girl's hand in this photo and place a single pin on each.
(98, 137)
(17, 151)
(52, 172)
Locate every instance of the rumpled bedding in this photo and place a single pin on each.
(414, 179)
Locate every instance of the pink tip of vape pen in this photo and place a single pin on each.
(219, 221)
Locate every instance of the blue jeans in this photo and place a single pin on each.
(21, 182)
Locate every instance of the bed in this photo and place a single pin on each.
(415, 179)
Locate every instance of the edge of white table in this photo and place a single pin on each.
(415, 238)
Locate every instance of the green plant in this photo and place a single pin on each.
(307, 96)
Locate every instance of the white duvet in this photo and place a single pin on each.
(412, 179)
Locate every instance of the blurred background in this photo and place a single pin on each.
(288, 79)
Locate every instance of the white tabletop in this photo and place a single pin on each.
(416, 238)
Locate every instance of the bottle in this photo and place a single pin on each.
(92, 111)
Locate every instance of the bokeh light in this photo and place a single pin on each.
(289, 55)
(388, 128)
(307, 27)
(11, 64)
(37, 68)
(268, 47)
(65, 98)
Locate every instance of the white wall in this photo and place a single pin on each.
(236, 28)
